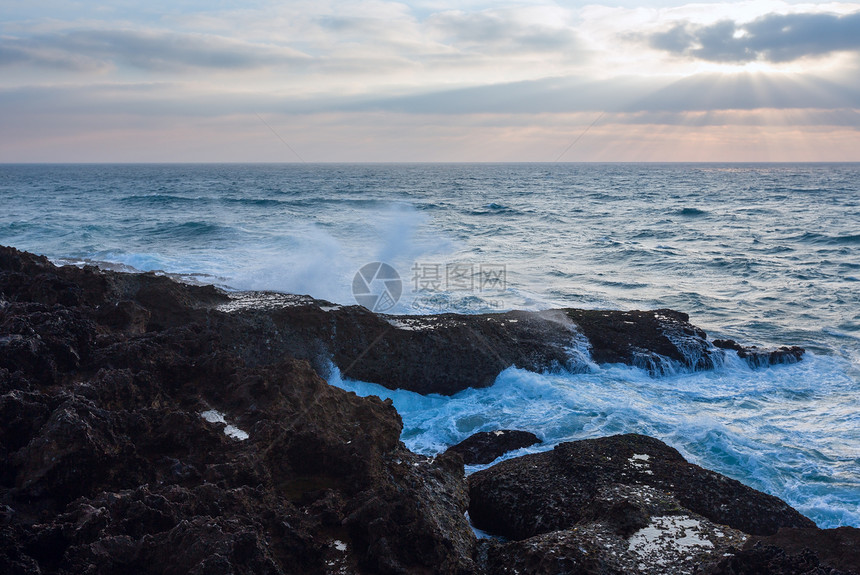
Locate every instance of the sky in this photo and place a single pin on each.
(429, 81)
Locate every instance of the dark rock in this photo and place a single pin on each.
(125, 316)
(577, 551)
(838, 548)
(676, 544)
(485, 446)
(552, 491)
(448, 353)
(110, 467)
(761, 559)
(762, 357)
(644, 338)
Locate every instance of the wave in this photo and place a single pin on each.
(692, 212)
(189, 230)
(494, 209)
(824, 239)
(160, 199)
(258, 202)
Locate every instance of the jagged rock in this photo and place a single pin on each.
(551, 491)
(486, 446)
(762, 357)
(136, 439)
(578, 550)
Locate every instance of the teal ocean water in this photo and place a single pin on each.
(764, 254)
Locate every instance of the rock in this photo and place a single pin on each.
(136, 438)
(762, 357)
(761, 559)
(444, 353)
(675, 544)
(837, 548)
(485, 446)
(645, 339)
(579, 550)
(448, 353)
(624, 504)
(544, 492)
(147, 426)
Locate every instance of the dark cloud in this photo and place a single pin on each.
(772, 38)
(94, 49)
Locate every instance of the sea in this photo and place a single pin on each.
(766, 254)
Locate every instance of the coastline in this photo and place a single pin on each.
(113, 464)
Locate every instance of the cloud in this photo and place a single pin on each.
(554, 95)
(542, 96)
(85, 50)
(44, 55)
(703, 92)
(381, 80)
(775, 38)
(631, 94)
(658, 98)
(503, 31)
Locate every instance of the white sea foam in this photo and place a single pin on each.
(769, 428)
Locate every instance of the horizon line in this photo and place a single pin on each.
(430, 162)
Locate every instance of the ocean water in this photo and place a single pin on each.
(764, 254)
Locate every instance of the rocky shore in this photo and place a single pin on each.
(148, 426)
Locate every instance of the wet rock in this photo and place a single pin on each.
(644, 338)
(485, 446)
(551, 491)
(762, 357)
(448, 353)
